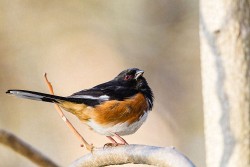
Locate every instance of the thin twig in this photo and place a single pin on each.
(68, 123)
(25, 149)
(137, 154)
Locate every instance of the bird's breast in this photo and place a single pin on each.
(114, 111)
(121, 117)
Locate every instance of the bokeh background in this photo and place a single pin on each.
(81, 43)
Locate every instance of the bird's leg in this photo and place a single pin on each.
(111, 139)
(123, 142)
(113, 144)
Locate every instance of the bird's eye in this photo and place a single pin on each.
(128, 77)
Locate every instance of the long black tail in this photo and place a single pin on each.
(36, 96)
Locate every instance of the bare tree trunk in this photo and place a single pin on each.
(225, 58)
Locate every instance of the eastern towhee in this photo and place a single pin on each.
(114, 108)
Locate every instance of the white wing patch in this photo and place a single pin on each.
(104, 97)
(100, 98)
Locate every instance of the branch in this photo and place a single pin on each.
(25, 149)
(67, 122)
(137, 154)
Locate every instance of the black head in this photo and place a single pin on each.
(133, 78)
(130, 76)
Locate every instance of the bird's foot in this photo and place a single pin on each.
(114, 144)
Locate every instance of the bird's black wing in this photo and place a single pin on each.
(111, 90)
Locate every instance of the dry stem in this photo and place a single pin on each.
(68, 123)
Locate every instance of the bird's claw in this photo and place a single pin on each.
(113, 145)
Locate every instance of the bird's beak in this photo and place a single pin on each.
(138, 74)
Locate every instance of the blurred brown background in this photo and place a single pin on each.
(83, 43)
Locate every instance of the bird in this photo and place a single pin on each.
(115, 108)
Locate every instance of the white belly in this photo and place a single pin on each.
(120, 129)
